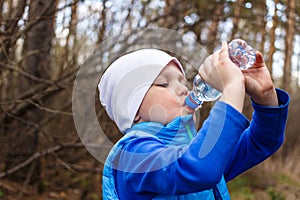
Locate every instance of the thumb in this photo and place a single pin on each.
(259, 58)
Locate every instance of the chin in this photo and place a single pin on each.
(187, 111)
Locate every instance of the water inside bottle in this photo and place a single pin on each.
(241, 54)
(203, 91)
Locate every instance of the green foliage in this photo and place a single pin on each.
(84, 182)
(275, 195)
(43, 186)
(93, 196)
(283, 179)
(240, 188)
(1, 194)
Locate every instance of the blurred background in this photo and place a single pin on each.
(44, 42)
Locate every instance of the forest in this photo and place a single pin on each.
(55, 135)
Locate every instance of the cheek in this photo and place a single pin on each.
(165, 98)
(153, 112)
(169, 100)
(160, 108)
(169, 104)
(167, 93)
(158, 113)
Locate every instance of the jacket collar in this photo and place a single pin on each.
(179, 131)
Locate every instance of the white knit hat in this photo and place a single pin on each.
(127, 80)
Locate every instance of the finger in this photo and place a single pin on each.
(215, 58)
(224, 51)
(225, 46)
(259, 57)
(206, 68)
(208, 63)
(202, 72)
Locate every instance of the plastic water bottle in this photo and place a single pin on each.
(201, 92)
(241, 54)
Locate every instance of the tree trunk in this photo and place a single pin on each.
(70, 53)
(290, 30)
(236, 17)
(213, 28)
(170, 20)
(8, 37)
(263, 29)
(8, 40)
(298, 70)
(272, 39)
(103, 23)
(37, 62)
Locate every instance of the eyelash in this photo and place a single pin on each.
(162, 84)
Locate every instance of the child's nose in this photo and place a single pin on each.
(182, 90)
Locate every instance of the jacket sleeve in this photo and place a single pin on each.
(148, 165)
(263, 137)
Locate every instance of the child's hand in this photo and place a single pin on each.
(259, 84)
(221, 73)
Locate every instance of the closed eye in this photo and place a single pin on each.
(161, 84)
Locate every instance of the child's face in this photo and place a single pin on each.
(165, 99)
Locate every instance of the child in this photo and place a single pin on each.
(162, 155)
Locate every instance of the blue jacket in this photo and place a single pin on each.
(174, 161)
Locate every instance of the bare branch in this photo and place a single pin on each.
(27, 75)
(39, 92)
(37, 155)
(48, 109)
(63, 163)
(81, 168)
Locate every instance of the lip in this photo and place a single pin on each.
(190, 110)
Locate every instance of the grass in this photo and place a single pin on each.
(274, 195)
(258, 184)
(284, 179)
(241, 188)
